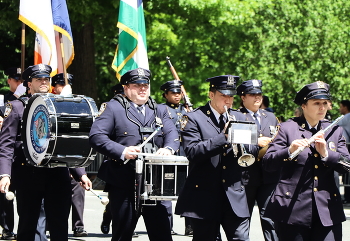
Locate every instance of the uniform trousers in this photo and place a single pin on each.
(236, 228)
(78, 201)
(34, 184)
(124, 217)
(6, 212)
(261, 194)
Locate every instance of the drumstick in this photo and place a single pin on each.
(9, 195)
(104, 200)
(147, 140)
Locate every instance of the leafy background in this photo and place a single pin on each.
(285, 43)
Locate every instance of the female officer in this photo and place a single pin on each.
(306, 203)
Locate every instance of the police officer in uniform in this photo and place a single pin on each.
(32, 183)
(259, 184)
(16, 88)
(78, 193)
(214, 193)
(58, 82)
(306, 204)
(123, 124)
(6, 206)
(173, 96)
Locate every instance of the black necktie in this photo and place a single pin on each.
(142, 116)
(221, 122)
(313, 131)
(257, 121)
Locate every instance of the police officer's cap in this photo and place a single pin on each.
(225, 84)
(14, 73)
(118, 89)
(173, 86)
(59, 79)
(36, 71)
(136, 76)
(250, 87)
(316, 90)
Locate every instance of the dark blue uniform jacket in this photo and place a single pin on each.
(117, 128)
(306, 181)
(214, 169)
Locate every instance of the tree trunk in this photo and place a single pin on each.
(83, 65)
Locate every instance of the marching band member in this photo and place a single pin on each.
(33, 184)
(214, 193)
(172, 94)
(259, 184)
(124, 123)
(306, 204)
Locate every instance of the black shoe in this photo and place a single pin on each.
(104, 228)
(188, 230)
(135, 235)
(173, 232)
(8, 235)
(80, 232)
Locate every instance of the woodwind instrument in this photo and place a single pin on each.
(312, 139)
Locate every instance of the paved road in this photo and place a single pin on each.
(93, 217)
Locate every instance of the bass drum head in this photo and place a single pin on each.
(35, 130)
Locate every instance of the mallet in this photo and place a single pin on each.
(104, 200)
(9, 195)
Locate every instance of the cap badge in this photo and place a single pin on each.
(18, 70)
(230, 80)
(176, 82)
(255, 83)
(141, 72)
(41, 67)
(320, 84)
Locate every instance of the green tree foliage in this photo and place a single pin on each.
(285, 43)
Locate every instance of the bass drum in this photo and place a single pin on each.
(55, 130)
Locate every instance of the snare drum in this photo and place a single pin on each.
(165, 176)
(55, 130)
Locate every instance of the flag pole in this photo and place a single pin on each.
(23, 42)
(63, 62)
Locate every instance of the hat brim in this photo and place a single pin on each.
(16, 77)
(227, 92)
(175, 90)
(139, 81)
(41, 75)
(254, 91)
(320, 97)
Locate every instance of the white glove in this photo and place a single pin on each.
(20, 90)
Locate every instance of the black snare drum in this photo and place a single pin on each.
(55, 130)
(165, 176)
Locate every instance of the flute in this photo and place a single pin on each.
(312, 139)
